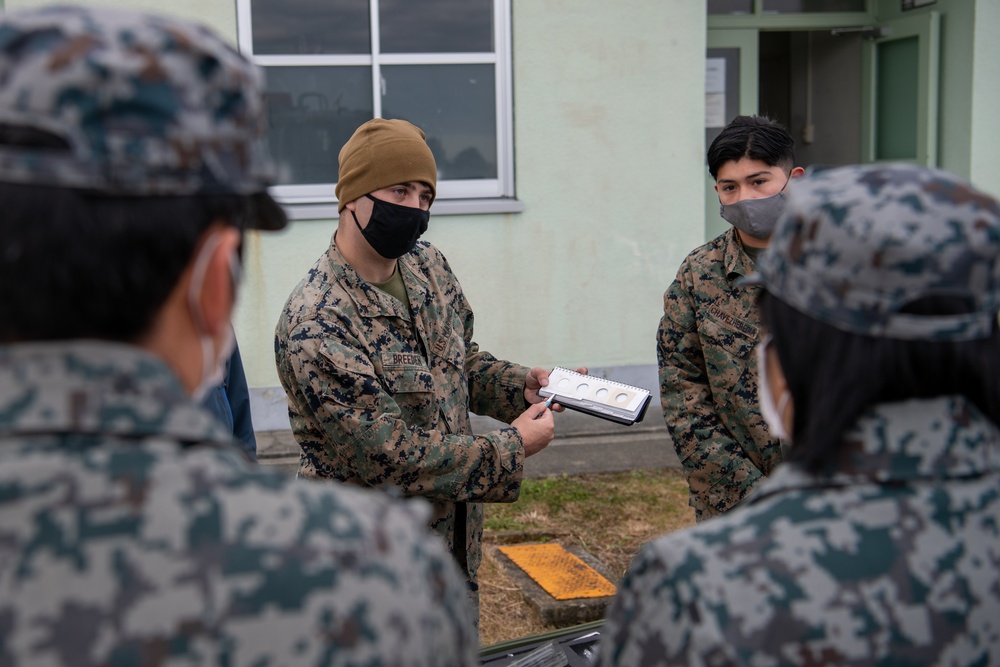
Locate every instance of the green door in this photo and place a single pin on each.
(900, 92)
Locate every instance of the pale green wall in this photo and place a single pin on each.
(985, 171)
(219, 14)
(608, 132)
(609, 165)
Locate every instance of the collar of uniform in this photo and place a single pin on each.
(413, 275)
(938, 438)
(100, 388)
(734, 257)
(370, 300)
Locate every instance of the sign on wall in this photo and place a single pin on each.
(715, 92)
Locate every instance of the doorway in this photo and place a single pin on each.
(810, 81)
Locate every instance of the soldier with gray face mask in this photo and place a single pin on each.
(710, 324)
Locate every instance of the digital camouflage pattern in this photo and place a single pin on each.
(149, 105)
(708, 377)
(890, 559)
(858, 243)
(381, 398)
(133, 532)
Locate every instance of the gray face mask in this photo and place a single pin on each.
(755, 217)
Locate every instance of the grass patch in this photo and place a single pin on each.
(609, 514)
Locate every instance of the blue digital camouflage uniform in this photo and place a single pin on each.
(708, 377)
(132, 533)
(889, 554)
(898, 567)
(381, 398)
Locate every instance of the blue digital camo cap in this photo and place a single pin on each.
(148, 105)
(857, 244)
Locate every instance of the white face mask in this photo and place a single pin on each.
(773, 414)
(213, 366)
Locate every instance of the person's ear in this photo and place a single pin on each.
(353, 205)
(217, 295)
(361, 208)
(798, 171)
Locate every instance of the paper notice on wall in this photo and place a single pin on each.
(715, 92)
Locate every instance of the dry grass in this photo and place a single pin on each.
(610, 515)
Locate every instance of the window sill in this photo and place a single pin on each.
(328, 211)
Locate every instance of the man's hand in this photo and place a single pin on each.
(537, 428)
(538, 378)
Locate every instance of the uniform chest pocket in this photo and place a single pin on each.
(407, 380)
(412, 389)
(729, 356)
(736, 337)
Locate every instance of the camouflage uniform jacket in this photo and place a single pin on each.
(123, 543)
(889, 559)
(708, 376)
(379, 392)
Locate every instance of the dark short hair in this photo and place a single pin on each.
(754, 137)
(76, 265)
(835, 376)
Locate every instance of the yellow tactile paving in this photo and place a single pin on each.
(561, 574)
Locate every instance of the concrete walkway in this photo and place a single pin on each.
(582, 444)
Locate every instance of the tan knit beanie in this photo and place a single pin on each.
(381, 153)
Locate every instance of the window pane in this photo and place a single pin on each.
(804, 6)
(455, 105)
(295, 27)
(730, 6)
(311, 113)
(436, 26)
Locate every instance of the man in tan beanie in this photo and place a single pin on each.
(375, 351)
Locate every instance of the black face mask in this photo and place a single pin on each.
(392, 229)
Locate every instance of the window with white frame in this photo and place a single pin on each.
(331, 65)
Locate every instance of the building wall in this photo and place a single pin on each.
(218, 14)
(608, 116)
(608, 141)
(985, 158)
(608, 124)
